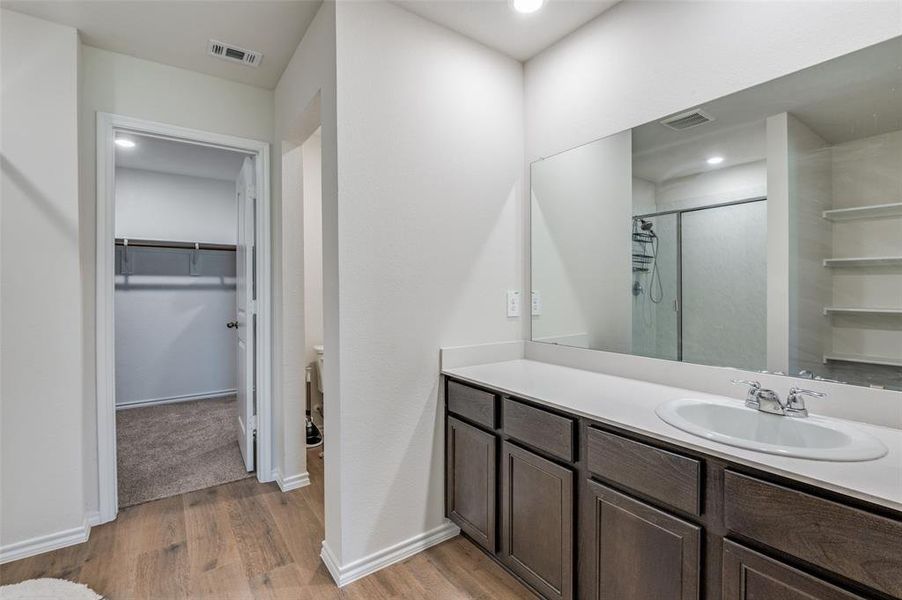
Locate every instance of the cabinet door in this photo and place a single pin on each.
(537, 521)
(748, 575)
(640, 552)
(470, 490)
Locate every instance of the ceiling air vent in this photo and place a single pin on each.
(687, 120)
(231, 53)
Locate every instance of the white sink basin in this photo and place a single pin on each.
(732, 423)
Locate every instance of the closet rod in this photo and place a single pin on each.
(133, 243)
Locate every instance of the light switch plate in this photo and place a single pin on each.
(513, 303)
(536, 299)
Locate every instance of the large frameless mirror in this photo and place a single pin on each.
(761, 230)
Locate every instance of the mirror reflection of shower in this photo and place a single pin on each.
(645, 260)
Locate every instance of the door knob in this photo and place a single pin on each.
(232, 324)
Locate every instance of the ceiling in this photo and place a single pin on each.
(179, 158)
(176, 32)
(738, 145)
(495, 24)
(855, 96)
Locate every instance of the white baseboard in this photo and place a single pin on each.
(45, 543)
(93, 518)
(174, 399)
(292, 482)
(388, 556)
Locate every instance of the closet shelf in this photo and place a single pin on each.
(141, 243)
(875, 211)
(865, 359)
(872, 261)
(840, 310)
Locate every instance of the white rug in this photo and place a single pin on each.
(48, 589)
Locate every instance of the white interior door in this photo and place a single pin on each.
(246, 324)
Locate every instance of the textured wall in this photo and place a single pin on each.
(40, 354)
(430, 162)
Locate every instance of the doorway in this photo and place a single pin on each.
(183, 330)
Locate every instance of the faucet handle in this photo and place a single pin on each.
(751, 397)
(795, 403)
(751, 384)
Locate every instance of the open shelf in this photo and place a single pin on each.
(862, 358)
(872, 261)
(875, 211)
(841, 310)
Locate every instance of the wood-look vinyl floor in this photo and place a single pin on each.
(249, 540)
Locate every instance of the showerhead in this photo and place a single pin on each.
(645, 225)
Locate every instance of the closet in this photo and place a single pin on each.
(177, 310)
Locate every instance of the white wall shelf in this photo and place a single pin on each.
(861, 358)
(840, 310)
(872, 261)
(875, 211)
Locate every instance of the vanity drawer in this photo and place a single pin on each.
(854, 543)
(471, 403)
(539, 428)
(660, 474)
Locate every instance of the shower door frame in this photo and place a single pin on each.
(679, 212)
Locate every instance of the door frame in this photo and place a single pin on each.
(107, 126)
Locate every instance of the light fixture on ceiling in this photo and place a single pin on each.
(715, 160)
(527, 6)
(125, 143)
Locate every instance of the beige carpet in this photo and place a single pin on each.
(175, 448)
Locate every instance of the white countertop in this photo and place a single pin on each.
(630, 404)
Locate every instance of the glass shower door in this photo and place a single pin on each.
(724, 285)
(655, 284)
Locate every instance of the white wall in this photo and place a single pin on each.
(40, 303)
(125, 85)
(640, 61)
(810, 192)
(716, 186)
(313, 244)
(172, 342)
(164, 206)
(304, 101)
(312, 166)
(171, 339)
(430, 161)
(581, 261)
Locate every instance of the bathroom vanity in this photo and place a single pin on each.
(569, 480)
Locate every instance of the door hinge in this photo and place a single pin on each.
(252, 423)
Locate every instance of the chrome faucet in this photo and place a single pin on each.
(768, 401)
(795, 403)
(751, 397)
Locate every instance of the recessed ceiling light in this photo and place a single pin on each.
(125, 143)
(715, 160)
(527, 6)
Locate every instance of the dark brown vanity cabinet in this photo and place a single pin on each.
(588, 510)
(470, 481)
(640, 552)
(537, 521)
(750, 575)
